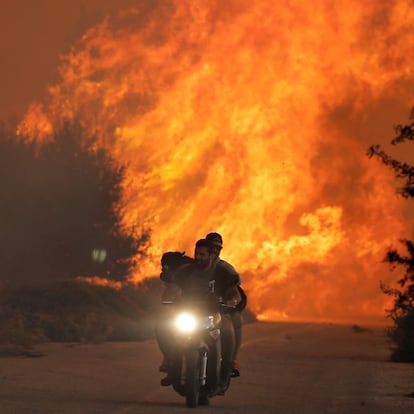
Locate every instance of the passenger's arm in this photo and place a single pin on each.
(232, 296)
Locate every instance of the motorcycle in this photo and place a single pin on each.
(196, 340)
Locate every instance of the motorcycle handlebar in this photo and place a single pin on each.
(222, 305)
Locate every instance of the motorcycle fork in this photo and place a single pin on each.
(203, 368)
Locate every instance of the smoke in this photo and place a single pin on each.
(34, 35)
(253, 119)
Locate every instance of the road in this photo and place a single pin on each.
(286, 368)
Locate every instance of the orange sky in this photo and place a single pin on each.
(279, 100)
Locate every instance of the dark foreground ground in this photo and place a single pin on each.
(286, 368)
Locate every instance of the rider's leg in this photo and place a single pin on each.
(227, 343)
(237, 321)
(163, 335)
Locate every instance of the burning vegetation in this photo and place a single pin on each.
(248, 118)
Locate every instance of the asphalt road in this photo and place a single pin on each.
(286, 368)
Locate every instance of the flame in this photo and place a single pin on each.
(248, 118)
(100, 281)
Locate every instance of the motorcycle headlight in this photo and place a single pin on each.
(185, 322)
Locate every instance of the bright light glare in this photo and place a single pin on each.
(185, 322)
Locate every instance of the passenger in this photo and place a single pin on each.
(236, 315)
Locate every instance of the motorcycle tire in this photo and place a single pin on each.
(192, 375)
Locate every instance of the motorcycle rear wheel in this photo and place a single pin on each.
(203, 400)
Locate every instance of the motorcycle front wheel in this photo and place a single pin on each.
(192, 375)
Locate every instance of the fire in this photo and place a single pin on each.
(99, 281)
(248, 118)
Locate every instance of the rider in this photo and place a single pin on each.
(217, 241)
(201, 279)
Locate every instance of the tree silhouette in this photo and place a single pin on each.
(402, 312)
(61, 212)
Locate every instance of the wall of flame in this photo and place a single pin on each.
(248, 118)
